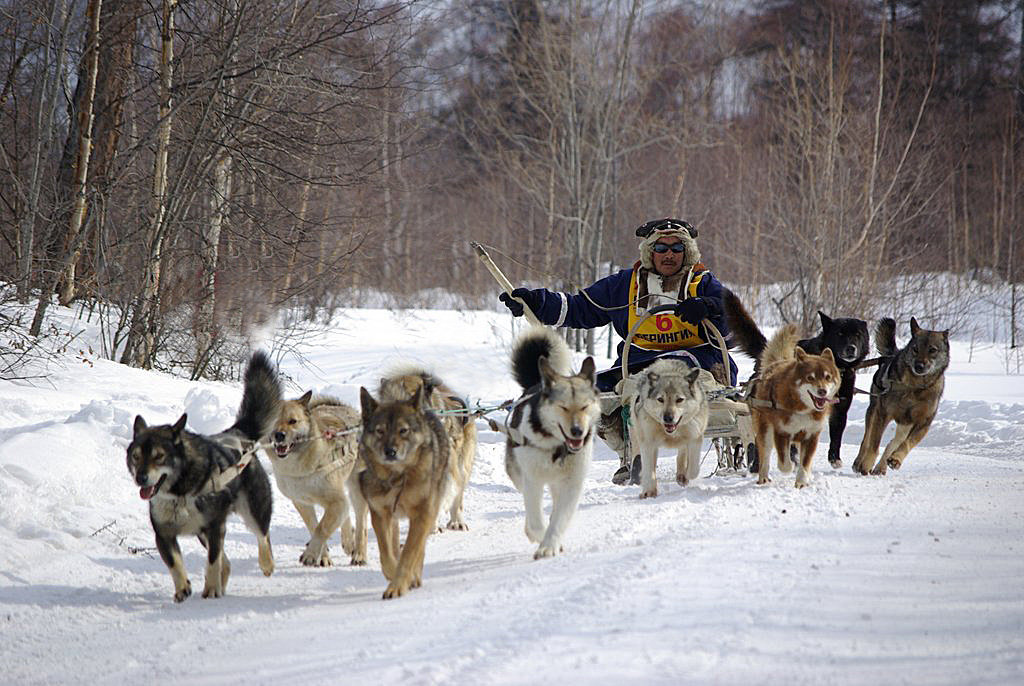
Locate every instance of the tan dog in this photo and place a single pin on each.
(790, 401)
(906, 390)
(405, 450)
(458, 425)
(314, 448)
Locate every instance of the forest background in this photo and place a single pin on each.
(188, 170)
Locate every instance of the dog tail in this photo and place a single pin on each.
(261, 399)
(885, 337)
(744, 331)
(530, 346)
(780, 347)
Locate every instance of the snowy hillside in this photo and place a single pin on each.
(916, 577)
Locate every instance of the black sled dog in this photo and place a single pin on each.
(846, 337)
(192, 482)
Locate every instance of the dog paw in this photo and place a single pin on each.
(836, 462)
(183, 592)
(800, 484)
(395, 591)
(761, 481)
(358, 560)
(682, 480)
(879, 469)
(316, 558)
(546, 551)
(894, 463)
(649, 493)
(457, 526)
(212, 591)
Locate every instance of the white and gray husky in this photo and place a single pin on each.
(668, 408)
(550, 433)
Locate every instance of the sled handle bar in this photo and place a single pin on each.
(503, 281)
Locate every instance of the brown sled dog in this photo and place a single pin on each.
(405, 450)
(906, 389)
(790, 401)
(458, 425)
(314, 446)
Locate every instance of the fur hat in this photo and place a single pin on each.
(650, 232)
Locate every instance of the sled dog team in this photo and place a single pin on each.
(408, 452)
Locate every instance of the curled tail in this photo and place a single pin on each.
(744, 331)
(261, 399)
(780, 347)
(530, 346)
(885, 336)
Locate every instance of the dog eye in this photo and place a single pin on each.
(660, 398)
(292, 420)
(403, 431)
(932, 350)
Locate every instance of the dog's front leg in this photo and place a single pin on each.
(315, 553)
(170, 553)
(361, 510)
(688, 462)
(387, 543)
(808, 446)
(533, 494)
(874, 425)
(915, 433)
(896, 450)
(565, 496)
(648, 469)
(782, 445)
(421, 523)
(763, 453)
(837, 420)
(217, 567)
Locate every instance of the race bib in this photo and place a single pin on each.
(663, 331)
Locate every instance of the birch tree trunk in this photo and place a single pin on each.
(139, 347)
(75, 235)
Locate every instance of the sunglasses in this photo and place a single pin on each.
(661, 248)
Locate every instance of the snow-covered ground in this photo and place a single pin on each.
(916, 577)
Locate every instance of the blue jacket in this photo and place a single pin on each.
(576, 311)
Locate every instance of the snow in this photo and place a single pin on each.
(916, 577)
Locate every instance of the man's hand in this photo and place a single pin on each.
(692, 310)
(533, 299)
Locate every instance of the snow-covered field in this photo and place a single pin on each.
(916, 577)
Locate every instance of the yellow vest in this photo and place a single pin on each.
(663, 331)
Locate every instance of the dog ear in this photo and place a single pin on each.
(800, 354)
(547, 373)
(140, 425)
(180, 424)
(652, 378)
(306, 397)
(827, 354)
(417, 398)
(587, 370)
(691, 376)
(914, 326)
(366, 404)
(825, 319)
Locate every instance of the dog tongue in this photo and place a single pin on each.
(147, 492)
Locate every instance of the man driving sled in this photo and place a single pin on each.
(669, 272)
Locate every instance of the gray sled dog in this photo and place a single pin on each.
(192, 482)
(460, 427)
(314, 444)
(668, 408)
(550, 433)
(405, 452)
(906, 389)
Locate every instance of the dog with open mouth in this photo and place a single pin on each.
(550, 433)
(315, 443)
(790, 402)
(193, 481)
(668, 408)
